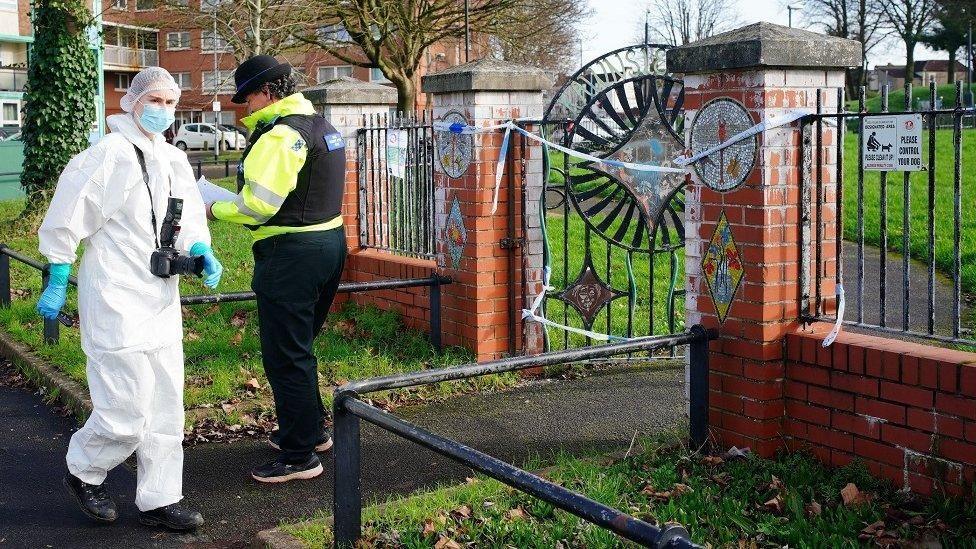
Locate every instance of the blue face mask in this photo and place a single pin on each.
(156, 119)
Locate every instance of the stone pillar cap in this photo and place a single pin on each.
(764, 45)
(346, 90)
(487, 74)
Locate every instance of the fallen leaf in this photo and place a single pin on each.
(850, 494)
(713, 460)
(236, 340)
(346, 327)
(813, 509)
(429, 528)
(470, 480)
(515, 514)
(775, 505)
(238, 319)
(680, 489)
(446, 543)
(192, 336)
(462, 512)
(873, 528)
(227, 408)
(735, 453)
(213, 309)
(253, 385)
(777, 484)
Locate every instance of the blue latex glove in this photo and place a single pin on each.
(212, 269)
(54, 295)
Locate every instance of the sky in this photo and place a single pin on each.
(617, 23)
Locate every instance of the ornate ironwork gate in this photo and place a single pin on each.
(614, 235)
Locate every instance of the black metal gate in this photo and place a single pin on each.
(614, 236)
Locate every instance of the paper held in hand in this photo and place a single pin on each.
(213, 193)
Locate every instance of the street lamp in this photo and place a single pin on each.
(789, 9)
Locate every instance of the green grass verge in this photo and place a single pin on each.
(896, 98)
(724, 504)
(918, 206)
(221, 341)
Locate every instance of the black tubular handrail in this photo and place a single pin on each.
(348, 410)
(51, 330)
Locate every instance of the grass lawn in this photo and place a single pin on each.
(918, 192)
(221, 341)
(896, 98)
(748, 502)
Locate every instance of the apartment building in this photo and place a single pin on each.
(15, 39)
(136, 34)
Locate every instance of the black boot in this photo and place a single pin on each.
(173, 517)
(93, 499)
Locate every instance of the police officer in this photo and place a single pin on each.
(290, 185)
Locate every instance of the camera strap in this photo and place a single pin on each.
(152, 209)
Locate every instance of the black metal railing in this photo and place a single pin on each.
(348, 409)
(396, 206)
(52, 328)
(881, 286)
(213, 167)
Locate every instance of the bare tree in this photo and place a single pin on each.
(910, 20)
(393, 35)
(860, 20)
(543, 33)
(249, 27)
(679, 22)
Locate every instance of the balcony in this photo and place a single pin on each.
(121, 57)
(12, 79)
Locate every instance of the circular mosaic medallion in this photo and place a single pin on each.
(715, 123)
(454, 149)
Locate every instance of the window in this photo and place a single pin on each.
(334, 33)
(183, 80)
(11, 114)
(376, 75)
(225, 82)
(209, 42)
(122, 81)
(120, 4)
(145, 5)
(331, 73)
(8, 5)
(178, 40)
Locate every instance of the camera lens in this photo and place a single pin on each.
(184, 264)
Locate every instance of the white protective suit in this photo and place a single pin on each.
(131, 324)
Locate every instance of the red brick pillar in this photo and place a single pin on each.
(743, 211)
(472, 245)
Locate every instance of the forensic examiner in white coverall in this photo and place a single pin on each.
(131, 324)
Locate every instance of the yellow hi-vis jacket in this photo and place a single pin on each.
(270, 171)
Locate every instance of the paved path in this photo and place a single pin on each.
(600, 412)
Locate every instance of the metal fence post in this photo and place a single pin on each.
(347, 505)
(226, 168)
(52, 331)
(698, 387)
(435, 313)
(199, 169)
(4, 278)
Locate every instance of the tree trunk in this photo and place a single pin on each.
(951, 70)
(406, 92)
(910, 61)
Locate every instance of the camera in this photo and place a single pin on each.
(167, 261)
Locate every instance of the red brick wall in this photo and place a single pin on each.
(907, 410)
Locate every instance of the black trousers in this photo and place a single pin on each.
(295, 280)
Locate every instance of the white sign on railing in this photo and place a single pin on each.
(893, 143)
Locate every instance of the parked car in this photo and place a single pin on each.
(201, 136)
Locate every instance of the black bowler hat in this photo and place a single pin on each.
(254, 73)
